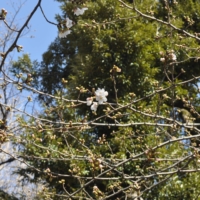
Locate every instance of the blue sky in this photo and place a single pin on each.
(41, 33)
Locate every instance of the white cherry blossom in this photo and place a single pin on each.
(94, 106)
(101, 95)
(162, 59)
(69, 23)
(79, 11)
(173, 57)
(89, 101)
(63, 34)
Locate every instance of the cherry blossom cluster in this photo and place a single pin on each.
(100, 96)
(169, 56)
(64, 27)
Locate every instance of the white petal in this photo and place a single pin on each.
(64, 34)
(89, 101)
(69, 23)
(106, 93)
(79, 11)
(94, 106)
(100, 102)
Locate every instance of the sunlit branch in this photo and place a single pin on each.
(46, 17)
(19, 33)
(9, 26)
(158, 20)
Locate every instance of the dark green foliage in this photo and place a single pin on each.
(6, 196)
